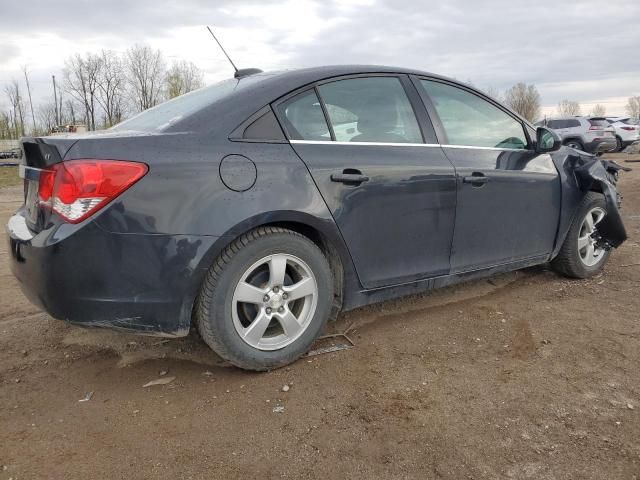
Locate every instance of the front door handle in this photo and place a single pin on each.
(349, 176)
(477, 179)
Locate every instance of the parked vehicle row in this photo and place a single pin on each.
(594, 134)
(12, 153)
(262, 206)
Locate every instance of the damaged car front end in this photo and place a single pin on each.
(580, 173)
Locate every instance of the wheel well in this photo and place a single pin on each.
(569, 139)
(330, 252)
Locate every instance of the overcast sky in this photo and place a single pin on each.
(582, 50)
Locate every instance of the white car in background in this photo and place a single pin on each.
(627, 131)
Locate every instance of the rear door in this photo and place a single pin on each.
(508, 195)
(391, 194)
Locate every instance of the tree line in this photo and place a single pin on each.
(102, 89)
(525, 100)
(98, 90)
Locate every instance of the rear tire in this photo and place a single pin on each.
(578, 257)
(266, 298)
(619, 145)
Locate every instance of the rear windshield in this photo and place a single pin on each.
(168, 113)
(599, 122)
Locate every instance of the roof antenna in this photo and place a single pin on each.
(243, 72)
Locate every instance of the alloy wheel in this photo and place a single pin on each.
(590, 253)
(274, 301)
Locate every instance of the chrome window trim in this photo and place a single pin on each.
(384, 144)
(486, 148)
(396, 144)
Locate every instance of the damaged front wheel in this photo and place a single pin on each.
(583, 254)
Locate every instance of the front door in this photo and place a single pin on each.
(508, 195)
(391, 194)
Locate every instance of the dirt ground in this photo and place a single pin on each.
(525, 375)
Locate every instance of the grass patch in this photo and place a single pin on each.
(9, 177)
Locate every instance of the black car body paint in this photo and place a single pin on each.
(138, 263)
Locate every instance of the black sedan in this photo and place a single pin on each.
(260, 207)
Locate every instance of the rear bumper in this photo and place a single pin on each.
(601, 145)
(88, 276)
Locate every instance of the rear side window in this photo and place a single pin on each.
(371, 109)
(599, 122)
(572, 123)
(303, 117)
(470, 120)
(264, 128)
(556, 124)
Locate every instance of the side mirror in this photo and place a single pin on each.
(547, 140)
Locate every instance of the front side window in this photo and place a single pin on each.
(371, 109)
(470, 120)
(303, 117)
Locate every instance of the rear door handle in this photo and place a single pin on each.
(349, 176)
(477, 179)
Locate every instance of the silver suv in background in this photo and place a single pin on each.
(592, 135)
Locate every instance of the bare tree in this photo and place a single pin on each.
(81, 81)
(525, 100)
(6, 131)
(111, 83)
(494, 93)
(17, 105)
(633, 107)
(569, 108)
(599, 110)
(68, 112)
(46, 117)
(145, 74)
(183, 77)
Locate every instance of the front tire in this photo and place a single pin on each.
(577, 144)
(266, 298)
(580, 256)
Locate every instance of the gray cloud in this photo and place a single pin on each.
(496, 43)
(493, 43)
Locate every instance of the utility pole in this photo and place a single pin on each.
(33, 117)
(55, 99)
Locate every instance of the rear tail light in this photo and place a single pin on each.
(630, 129)
(77, 189)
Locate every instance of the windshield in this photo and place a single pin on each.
(168, 113)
